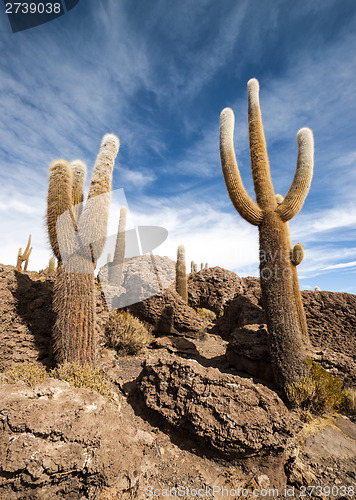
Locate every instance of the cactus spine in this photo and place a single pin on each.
(23, 257)
(276, 268)
(115, 269)
(77, 238)
(181, 275)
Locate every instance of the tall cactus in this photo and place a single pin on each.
(77, 238)
(276, 268)
(181, 274)
(115, 268)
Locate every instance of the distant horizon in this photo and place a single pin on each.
(158, 77)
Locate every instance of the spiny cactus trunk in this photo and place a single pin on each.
(74, 305)
(276, 272)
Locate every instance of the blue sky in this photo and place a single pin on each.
(158, 74)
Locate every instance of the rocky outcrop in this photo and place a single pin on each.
(142, 277)
(213, 288)
(167, 313)
(230, 414)
(27, 317)
(60, 442)
(248, 351)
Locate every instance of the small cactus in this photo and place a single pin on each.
(317, 289)
(206, 265)
(195, 270)
(201, 266)
(23, 257)
(192, 264)
(77, 237)
(51, 266)
(181, 274)
(116, 267)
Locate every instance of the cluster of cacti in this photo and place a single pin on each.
(194, 266)
(181, 274)
(51, 266)
(77, 235)
(116, 266)
(276, 267)
(23, 257)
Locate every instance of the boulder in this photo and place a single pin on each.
(167, 313)
(60, 442)
(213, 288)
(231, 415)
(248, 351)
(142, 277)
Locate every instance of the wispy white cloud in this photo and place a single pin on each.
(341, 265)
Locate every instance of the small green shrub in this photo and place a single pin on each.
(84, 376)
(318, 392)
(206, 313)
(127, 334)
(30, 373)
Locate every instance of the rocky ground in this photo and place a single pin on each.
(185, 415)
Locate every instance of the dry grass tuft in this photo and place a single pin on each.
(30, 373)
(126, 334)
(84, 376)
(318, 392)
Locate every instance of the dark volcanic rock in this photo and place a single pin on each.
(248, 351)
(167, 313)
(230, 414)
(213, 288)
(331, 318)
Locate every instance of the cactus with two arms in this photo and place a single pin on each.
(77, 233)
(277, 269)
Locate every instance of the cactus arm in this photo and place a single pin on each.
(92, 225)
(258, 150)
(79, 174)
(26, 257)
(243, 203)
(59, 200)
(299, 189)
(297, 254)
